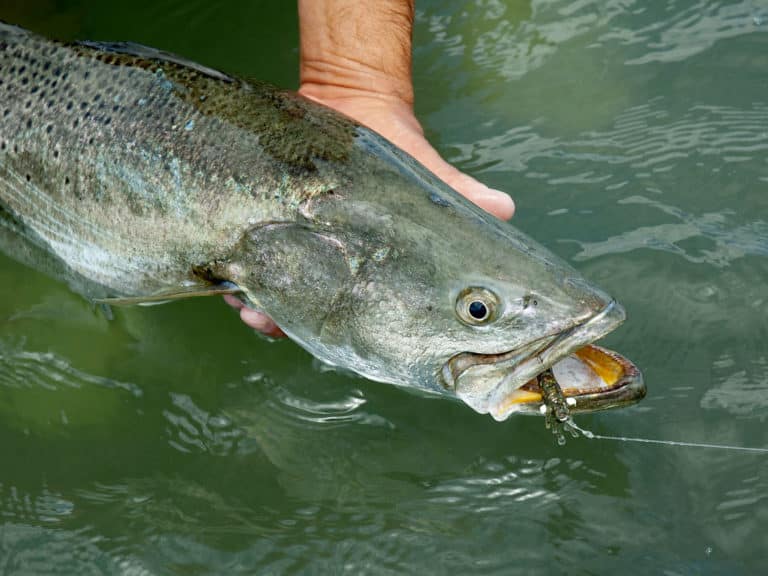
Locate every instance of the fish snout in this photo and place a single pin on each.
(587, 298)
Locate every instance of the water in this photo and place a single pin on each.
(634, 138)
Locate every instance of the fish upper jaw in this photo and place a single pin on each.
(468, 374)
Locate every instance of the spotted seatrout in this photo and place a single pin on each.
(133, 174)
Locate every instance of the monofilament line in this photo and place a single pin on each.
(592, 435)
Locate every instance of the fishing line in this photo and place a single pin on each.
(592, 435)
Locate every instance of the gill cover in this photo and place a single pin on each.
(292, 272)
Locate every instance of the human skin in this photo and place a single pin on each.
(356, 58)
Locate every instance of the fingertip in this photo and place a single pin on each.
(233, 301)
(498, 203)
(255, 319)
(260, 322)
(506, 205)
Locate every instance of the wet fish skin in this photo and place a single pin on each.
(137, 169)
(136, 172)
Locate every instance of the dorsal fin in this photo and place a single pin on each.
(10, 31)
(149, 53)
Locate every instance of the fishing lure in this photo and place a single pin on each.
(557, 415)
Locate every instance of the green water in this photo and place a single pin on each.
(634, 138)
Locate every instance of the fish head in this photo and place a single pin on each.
(412, 284)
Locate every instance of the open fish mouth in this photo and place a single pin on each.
(591, 378)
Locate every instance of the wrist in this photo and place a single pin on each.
(336, 82)
(356, 49)
(390, 116)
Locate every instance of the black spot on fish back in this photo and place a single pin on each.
(290, 128)
(95, 105)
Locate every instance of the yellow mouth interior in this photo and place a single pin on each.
(603, 363)
(608, 367)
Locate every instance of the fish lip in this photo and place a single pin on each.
(455, 367)
(528, 361)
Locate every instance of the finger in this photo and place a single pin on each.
(233, 301)
(260, 322)
(400, 126)
(256, 320)
(496, 202)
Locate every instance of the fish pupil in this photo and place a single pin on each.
(478, 310)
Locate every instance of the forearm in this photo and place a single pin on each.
(356, 48)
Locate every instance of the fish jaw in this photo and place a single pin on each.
(468, 374)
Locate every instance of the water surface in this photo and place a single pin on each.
(634, 138)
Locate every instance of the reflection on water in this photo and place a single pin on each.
(633, 137)
(43, 507)
(742, 389)
(28, 549)
(717, 243)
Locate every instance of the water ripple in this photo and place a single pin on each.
(193, 429)
(644, 137)
(513, 39)
(729, 242)
(745, 507)
(24, 369)
(45, 506)
(688, 31)
(318, 405)
(28, 549)
(494, 485)
(742, 391)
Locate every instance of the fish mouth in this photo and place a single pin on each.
(591, 378)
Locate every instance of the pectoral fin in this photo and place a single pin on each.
(175, 293)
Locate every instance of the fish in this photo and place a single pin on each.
(137, 176)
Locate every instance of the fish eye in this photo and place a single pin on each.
(478, 310)
(477, 306)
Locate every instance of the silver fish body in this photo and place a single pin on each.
(127, 168)
(130, 173)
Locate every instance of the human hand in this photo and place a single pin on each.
(394, 119)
